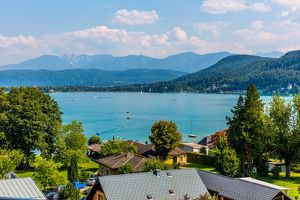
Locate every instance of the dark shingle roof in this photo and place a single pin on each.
(138, 186)
(235, 188)
(148, 150)
(117, 161)
(20, 189)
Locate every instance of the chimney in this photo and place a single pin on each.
(156, 172)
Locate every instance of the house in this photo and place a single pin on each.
(111, 164)
(177, 155)
(94, 150)
(205, 141)
(177, 184)
(193, 147)
(20, 189)
(227, 188)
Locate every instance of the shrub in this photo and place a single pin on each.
(203, 150)
(94, 139)
(153, 164)
(69, 192)
(227, 162)
(275, 171)
(296, 168)
(201, 158)
(125, 169)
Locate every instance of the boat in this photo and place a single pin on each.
(192, 135)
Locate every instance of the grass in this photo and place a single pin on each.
(89, 166)
(293, 182)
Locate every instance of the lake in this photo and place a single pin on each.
(131, 115)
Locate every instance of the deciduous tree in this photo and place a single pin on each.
(165, 137)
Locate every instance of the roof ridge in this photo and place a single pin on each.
(258, 184)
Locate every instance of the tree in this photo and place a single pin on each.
(72, 148)
(153, 164)
(30, 120)
(69, 193)
(46, 173)
(94, 139)
(285, 121)
(248, 130)
(165, 137)
(117, 146)
(125, 169)
(73, 169)
(9, 160)
(227, 162)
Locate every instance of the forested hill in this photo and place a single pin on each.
(233, 74)
(84, 77)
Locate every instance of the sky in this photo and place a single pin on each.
(154, 28)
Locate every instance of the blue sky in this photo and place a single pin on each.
(155, 28)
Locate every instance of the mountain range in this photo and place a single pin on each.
(186, 62)
(233, 74)
(84, 77)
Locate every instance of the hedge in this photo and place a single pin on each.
(193, 157)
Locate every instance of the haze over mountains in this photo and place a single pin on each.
(186, 62)
(235, 73)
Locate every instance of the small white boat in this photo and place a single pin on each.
(192, 135)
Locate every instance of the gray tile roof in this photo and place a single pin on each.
(20, 189)
(235, 188)
(138, 185)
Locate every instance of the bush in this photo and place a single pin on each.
(153, 164)
(125, 169)
(275, 171)
(227, 162)
(94, 140)
(203, 150)
(193, 157)
(296, 168)
(84, 176)
(69, 192)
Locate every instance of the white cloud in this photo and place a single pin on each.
(214, 28)
(257, 25)
(10, 42)
(180, 34)
(225, 6)
(285, 13)
(136, 17)
(293, 5)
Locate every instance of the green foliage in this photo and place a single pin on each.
(71, 144)
(285, 126)
(117, 146)
(94, 139)
(193, 157)
(125, 169)
(227, 162)
(69, 193)
(9, 160)
(248, 131)
(296, 168)
(46, 173)
(275, 172)
(84, 175)
(73, 169)
(203, 150)
(153, 164)
(165, 137)
(30, 120)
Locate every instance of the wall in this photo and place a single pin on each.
(169, 161)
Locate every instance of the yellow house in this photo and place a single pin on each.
(178, 155)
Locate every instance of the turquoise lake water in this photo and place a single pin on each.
(130, 115)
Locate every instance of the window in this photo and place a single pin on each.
(181, 158)
(107, 172)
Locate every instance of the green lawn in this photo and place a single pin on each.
(293, 182)
(89, 166)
